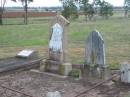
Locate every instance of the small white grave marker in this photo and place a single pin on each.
(57, 50)
(25, 53)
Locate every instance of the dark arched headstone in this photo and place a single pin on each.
(94, 49)
(95, 55)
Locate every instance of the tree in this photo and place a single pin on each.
(84, 4)
(88, 9)
(2, 10)
(25, 4)
(126, 8)
(105, 8)
(70, 9)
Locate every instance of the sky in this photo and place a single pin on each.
(49, 3)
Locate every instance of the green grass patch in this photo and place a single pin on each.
(76, 73)
(114, 66)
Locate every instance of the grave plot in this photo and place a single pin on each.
(57, 48)
(43, 84)
(25, 59)
(38, 85)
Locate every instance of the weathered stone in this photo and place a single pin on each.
(65, 69)
(58, 39)
(76, 73)
(52, 66)
(95, 56)
(57, 43)
(125, 72)
(94, 51)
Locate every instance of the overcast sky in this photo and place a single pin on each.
(48, 3)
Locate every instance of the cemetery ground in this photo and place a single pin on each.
(39, 84)
(14, 36)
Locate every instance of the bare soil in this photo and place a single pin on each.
(39, 84)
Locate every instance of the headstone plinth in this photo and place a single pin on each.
(57, 44)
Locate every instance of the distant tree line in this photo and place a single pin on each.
(72, 7)
(25, 4)
(99, 7)
(127, 8)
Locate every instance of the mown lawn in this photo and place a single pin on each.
(115, 31)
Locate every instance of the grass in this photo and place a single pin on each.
(115, 31)
(22, 35)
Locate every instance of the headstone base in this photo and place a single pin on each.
(95, 73)
(65, 69)
(56, 67)
(52, 66)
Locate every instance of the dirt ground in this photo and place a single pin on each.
(39, 84)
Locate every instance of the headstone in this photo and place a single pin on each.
(125, 72)
(57, 43)
(94, 51)
(58, 39)
(95, 54)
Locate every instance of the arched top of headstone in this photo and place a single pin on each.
(60, 20)
(96, 33)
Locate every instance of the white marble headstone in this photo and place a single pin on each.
(55, 43)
